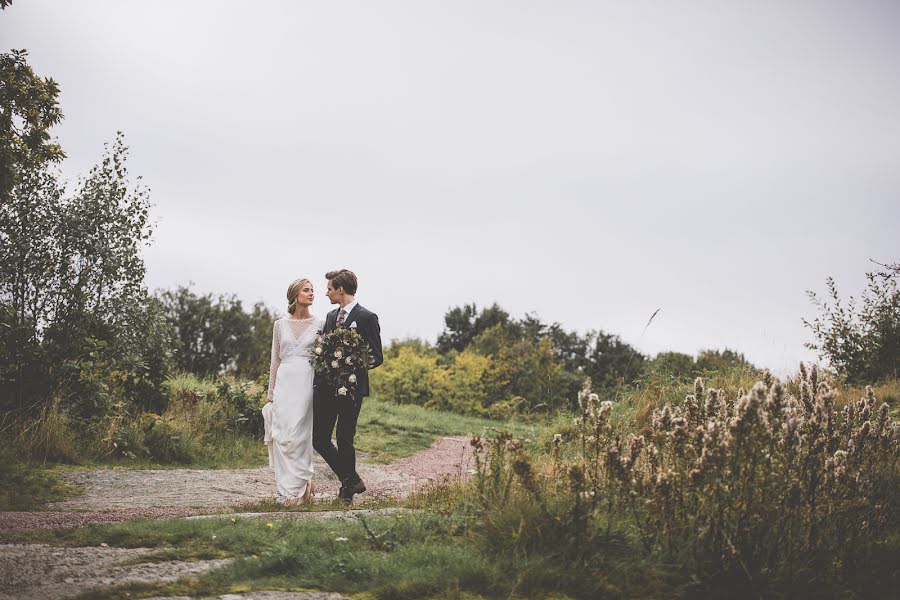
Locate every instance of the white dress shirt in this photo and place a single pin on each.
(347, 310)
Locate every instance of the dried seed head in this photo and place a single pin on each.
(692, 410)
(576, 475)
(806, 396)
(605, 409)
(698, 388)
(775, 401)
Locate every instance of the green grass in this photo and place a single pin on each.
(412, 555)
(30, 487)
(388, 431)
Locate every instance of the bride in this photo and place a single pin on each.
(290, 395)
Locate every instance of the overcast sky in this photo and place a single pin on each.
(587, 161)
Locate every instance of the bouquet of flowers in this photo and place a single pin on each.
(339, 356)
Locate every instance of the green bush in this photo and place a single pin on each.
(861, 342)
(406, 377)
(51, 436)
(169, 442)
(460, 386)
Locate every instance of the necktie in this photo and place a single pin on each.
(341, 317)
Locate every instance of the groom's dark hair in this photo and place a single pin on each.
(343, 278)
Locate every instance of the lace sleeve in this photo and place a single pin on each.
(276, 358)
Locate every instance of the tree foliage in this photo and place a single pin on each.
(216, 335)
(28, 109)
(861, 340)
(77, 320)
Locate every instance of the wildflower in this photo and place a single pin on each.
(233, 520)
(341, 539)
(342, 391)
(213, 537)
(692, 409)
(775, 401)
(605, 408)
(269, 525)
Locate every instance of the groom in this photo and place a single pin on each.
(330, 408)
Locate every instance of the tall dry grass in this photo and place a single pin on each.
(759, 489)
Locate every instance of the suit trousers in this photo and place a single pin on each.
(327, 411)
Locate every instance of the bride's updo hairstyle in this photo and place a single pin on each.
(292, 292)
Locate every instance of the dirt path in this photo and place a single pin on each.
(112, 495)
(47, 572)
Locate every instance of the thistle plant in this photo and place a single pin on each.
(766, 487)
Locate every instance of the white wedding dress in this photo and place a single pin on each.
(290, 415)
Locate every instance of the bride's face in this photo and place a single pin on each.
(305, 296)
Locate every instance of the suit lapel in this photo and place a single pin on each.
(351, 315)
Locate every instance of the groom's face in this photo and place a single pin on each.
(334, 294)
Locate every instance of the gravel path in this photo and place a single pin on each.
(113, 495)
(51, 573)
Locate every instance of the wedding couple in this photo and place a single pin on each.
(303, 409)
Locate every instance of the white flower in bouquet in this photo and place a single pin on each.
(318, 349)
(342, 391)
(334, 364)
(338, 354)
(349, 361)
(352, 378)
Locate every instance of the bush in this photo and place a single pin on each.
(51, 436)
(862, 343)
(459, 386)
(763, 491)
(169, 442)
(407, 376)
(242, 402)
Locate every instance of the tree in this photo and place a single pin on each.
(462, 324)
(215, 335)
(610, 362)
(72, 286)
(28, 109)
(860, 341)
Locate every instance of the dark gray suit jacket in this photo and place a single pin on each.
(367, 326)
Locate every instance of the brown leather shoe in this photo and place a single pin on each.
(348, 491)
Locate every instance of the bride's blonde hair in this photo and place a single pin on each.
(292, 292)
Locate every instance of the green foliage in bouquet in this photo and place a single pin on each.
(340, 355)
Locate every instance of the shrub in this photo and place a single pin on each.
(242, 402)
(51, 436)
(407, 377)
(862, 342)
(168, 441)
(459, 386)
(769, 491)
